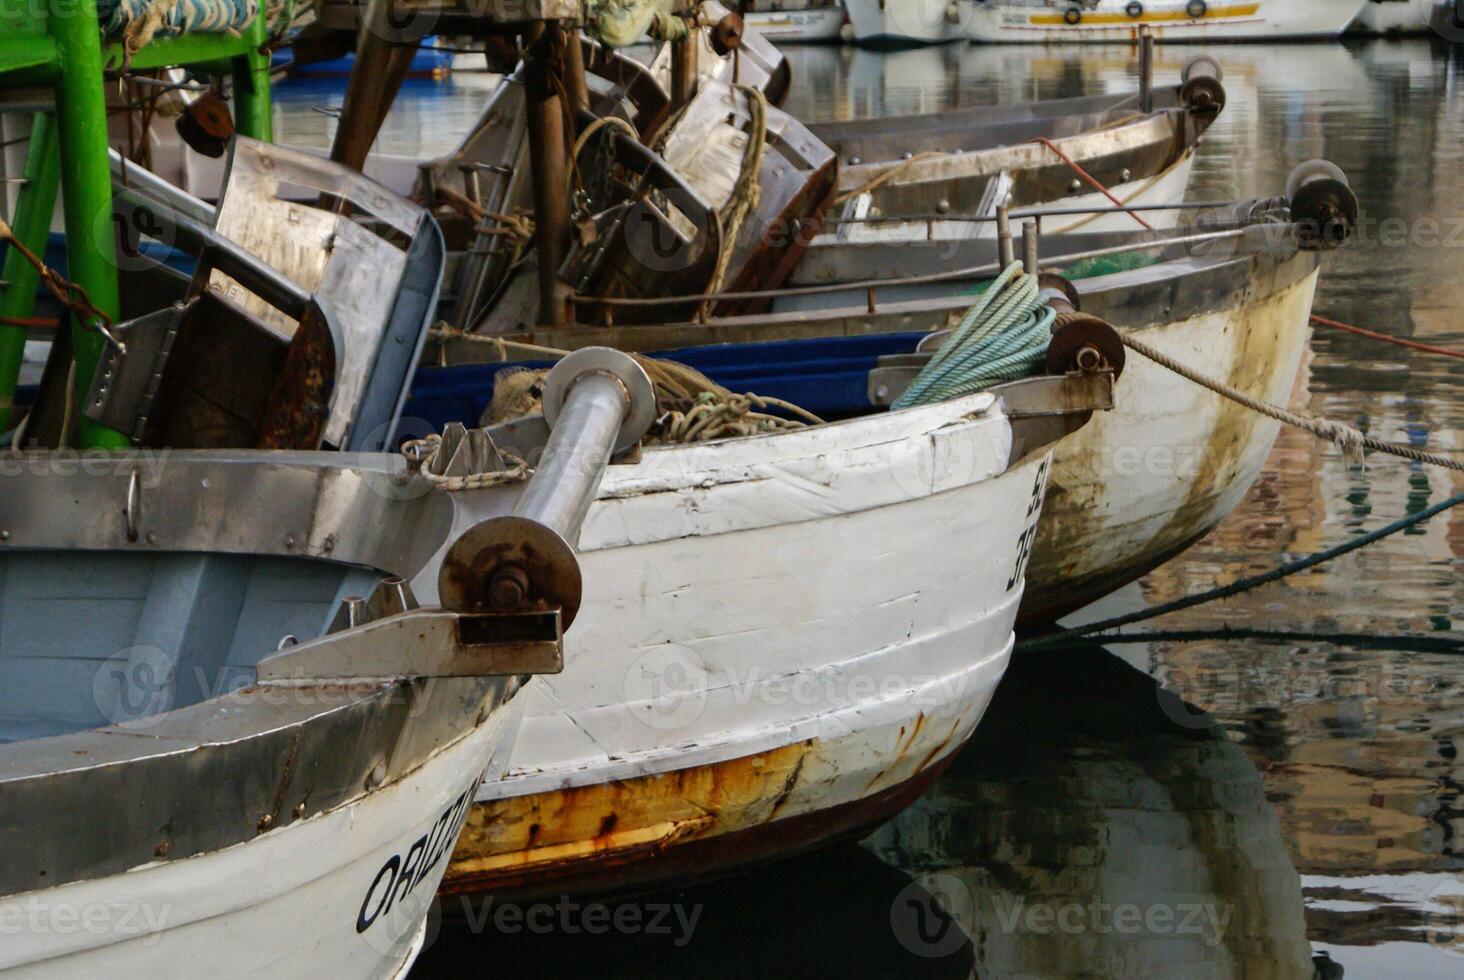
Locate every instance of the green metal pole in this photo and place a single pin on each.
(31, 225)
(251, 83)
(81, 114)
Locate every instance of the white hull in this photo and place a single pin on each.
(792, 623)
(287, 902)
(1395, 17)
(811, 24)
(1140, 483)
(1224, 20)
(907, 22)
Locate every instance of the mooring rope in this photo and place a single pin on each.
(747, 191)
(1002, 337)
(1322, 321)
(1095, 631)
(425, 456)
(1348, 439)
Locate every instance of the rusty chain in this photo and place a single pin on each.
(69, 294)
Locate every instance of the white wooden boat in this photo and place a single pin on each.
(1231, 295)
(946, 168)
(783, 639)
(1394, 17)
(1170, 21)
(791, 24)
(905, 23)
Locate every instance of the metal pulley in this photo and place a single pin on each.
(206, 125)
(1080, 342)
(598, 402)
(1201, 87)
(1323, 205)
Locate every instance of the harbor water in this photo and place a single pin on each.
(1195, 807)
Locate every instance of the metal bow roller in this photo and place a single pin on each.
(598, 402)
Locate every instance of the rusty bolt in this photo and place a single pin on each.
(1090, 359)
(163, 848)
(266, 822)
(508, 589)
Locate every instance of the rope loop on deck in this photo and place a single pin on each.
(425, 456)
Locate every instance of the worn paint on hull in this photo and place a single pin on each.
(1138, 485)
(1169, 21)
(882, 560)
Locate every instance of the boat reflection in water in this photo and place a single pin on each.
(1077, 835)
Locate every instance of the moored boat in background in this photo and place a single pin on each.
(792, 24)
(1170, 21)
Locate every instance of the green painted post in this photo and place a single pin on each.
(31, 225)
(81, 114)
(251, 83)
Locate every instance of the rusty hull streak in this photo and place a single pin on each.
(693, 824)
(1068, 569)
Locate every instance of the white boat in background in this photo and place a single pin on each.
(1042, 21)
(791, 24)
(904, 23)
(1394, 17)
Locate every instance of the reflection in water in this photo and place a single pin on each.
(1099, 826)
(1118, 835)
(1358, 749)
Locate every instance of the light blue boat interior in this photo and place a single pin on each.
(92, 638)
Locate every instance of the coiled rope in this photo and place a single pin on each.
(1348, 439)
(1002, 337)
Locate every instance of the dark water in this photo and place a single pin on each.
(1098, 825)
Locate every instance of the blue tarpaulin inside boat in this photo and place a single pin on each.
(826, 376)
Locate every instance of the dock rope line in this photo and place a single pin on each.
(1099, 632)
(1348, 439)
(1093, 181)
(1002, 337)
(1322, 321)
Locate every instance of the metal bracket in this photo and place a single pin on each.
(425, 643)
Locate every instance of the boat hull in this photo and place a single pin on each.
(1394, 17)
(308, 899)
(907, 23)
(787, 635)
(810, 25)
(1168, 20)
(1142, 483)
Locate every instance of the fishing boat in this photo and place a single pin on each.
(228, 728)
(1394, 17)
(753, 678)
(1230, 292)
(902, 178)
(790, 23)
(907, 23)
(1171, 21)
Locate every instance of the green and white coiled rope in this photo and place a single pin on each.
(1004, 336)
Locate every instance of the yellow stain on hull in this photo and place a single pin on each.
(1120, 18)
